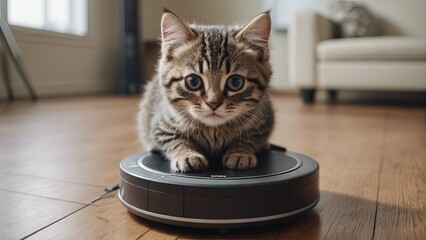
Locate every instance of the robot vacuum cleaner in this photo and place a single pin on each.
(284, 185)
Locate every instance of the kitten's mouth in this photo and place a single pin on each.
(213, 119)
(214, 115)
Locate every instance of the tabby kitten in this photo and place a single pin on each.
(209, 101)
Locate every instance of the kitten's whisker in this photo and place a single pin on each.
(184, 121)
(191, 126)
(181, 115)
(254, 117)
(239, 121)
(233, 124)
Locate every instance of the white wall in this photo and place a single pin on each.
(217, 12)
(59, 65)
(395, 17)
(199, 11)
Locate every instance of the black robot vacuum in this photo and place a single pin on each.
(285, 184)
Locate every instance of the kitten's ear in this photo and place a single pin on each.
(257, 31)
(174, 30)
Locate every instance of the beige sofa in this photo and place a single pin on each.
(319, 61)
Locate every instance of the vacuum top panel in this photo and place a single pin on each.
(268, 166)
(272, 166)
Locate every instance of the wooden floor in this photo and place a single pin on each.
(57, 155)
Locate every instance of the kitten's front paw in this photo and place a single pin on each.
(240, 161)
(189, 163)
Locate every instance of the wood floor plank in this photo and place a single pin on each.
(347, 142)
(21, 214)
(50, 188)
(401, 213)
(73, 142)
(95, 168)
(107, 220)
(162, 232)
(254, 233)
(53, 144)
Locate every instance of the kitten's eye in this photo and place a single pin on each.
(193, 82)
(235, 83)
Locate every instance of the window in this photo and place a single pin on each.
(64, 16)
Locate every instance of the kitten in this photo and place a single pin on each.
(209, 99)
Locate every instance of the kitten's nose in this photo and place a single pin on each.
(214, 105)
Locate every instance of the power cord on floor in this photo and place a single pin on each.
(107, 190)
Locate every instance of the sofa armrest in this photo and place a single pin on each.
(306, 30)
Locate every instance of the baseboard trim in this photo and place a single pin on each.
(53, 89)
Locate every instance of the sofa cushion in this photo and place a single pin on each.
(372, 48)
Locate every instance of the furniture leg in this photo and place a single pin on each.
(332, 95)
(5, 75)
(307, 95)
(24, 76)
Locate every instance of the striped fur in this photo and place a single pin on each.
(181, 124)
